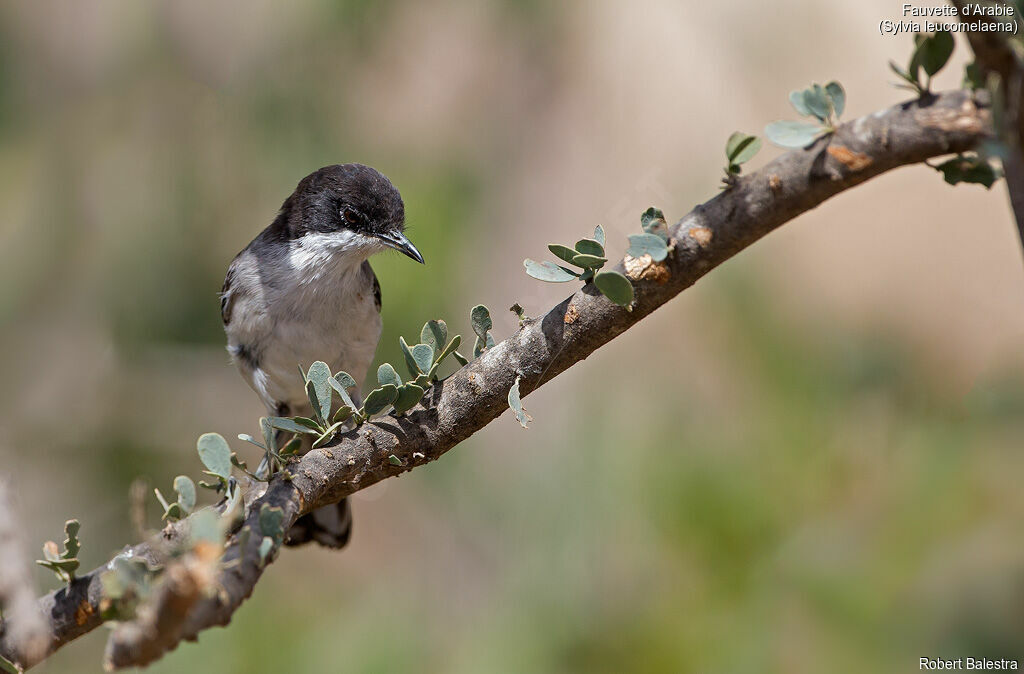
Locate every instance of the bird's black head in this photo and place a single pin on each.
(352, 200)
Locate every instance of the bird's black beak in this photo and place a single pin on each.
(402, 244)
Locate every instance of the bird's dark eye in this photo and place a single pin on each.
(350, 216)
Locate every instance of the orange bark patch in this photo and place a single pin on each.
(855, 161)
(702, 235)
(83, 612)
(571, 314)
(774, 183)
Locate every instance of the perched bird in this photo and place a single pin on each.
(303, 291)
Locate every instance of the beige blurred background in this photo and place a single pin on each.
(810, 462)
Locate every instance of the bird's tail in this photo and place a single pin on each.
(330, 526)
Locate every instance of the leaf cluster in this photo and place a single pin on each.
(126, 583)
(589, 256)
(64, 562)
(968, 168)
(272, 527)
(739, 149)
(654, 240)
(930, 55)
(185, 488)
(824, 104)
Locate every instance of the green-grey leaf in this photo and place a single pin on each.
(272, 522)
(914, 67)
(386, 375)
(307, 426)
(796, 99)
(68, 566)
(380, 398)
(434, 333)
(345, 380)
(452, 345)
(423, 354)
(749, 151)
(269, 436)
(562, 252)
(817, 102)
(516, 404)
(973, 77)
(792, 134)
(293, 445)
(266, 545)
(590, 247)
(318, 372)
(408, 395)
(934, 52)
(394, 460)
(342, 414)
(589, 261)
(215, 454)
(410, 362)
(482, 345)
(599, 235)
(480, 319)
(902, 73)
(615, 287)
(652, 221)
(248, 438)
(71, 543)
(968, 170)
(548, 271)
(837, 95)
(327, 435)
(652, 217)
(206, 526)
(159, 497)
(314, 401)
(186, 489)
(174, 511)
(462, 360)
(741, 147)
(647, 244)
(318, 375)
(342, 388)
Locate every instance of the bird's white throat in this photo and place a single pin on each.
(316, 255)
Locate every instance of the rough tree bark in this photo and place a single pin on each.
(456, 408)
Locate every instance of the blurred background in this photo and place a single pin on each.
(809, 462)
